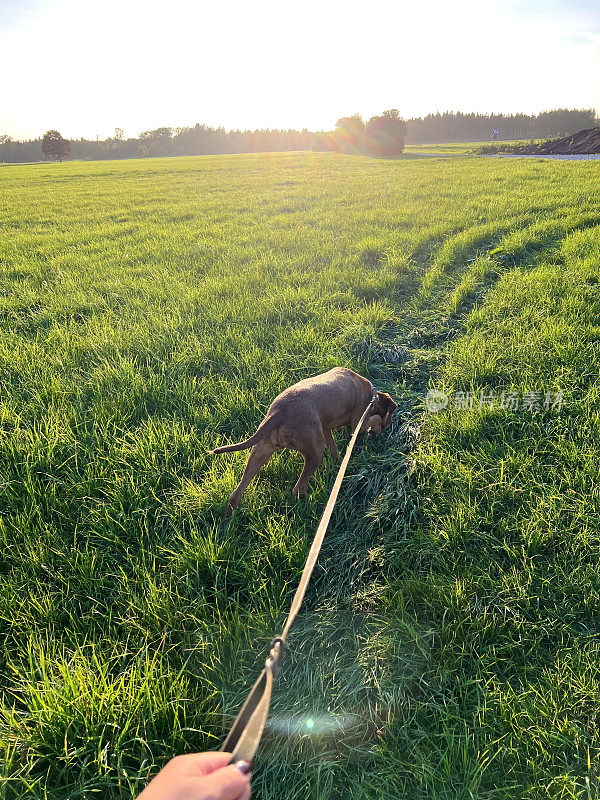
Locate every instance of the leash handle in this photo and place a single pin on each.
(246, 732)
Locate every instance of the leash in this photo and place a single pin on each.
(246, 732)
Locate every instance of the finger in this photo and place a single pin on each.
(226, 784)
(196, 765)
(245, 795)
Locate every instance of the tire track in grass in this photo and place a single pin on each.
(415, 355)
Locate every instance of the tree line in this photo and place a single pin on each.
(458, 127)
(192, 141)
(383, 135)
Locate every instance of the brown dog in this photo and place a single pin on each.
(302, 418)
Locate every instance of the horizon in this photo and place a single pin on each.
(274, 68)
(332, 127)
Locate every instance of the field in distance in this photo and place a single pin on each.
(463, 148)
(151, 310)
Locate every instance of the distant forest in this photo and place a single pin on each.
(457, 127)
(202, 139)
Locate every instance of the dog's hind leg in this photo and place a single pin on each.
(259, 455)
(312, 459)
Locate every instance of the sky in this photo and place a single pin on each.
(85, 68)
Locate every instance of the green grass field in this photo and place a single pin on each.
(149, 310)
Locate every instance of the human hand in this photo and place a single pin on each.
(200, 776)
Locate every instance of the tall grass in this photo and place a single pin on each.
(150, 310)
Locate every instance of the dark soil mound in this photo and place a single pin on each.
(582, 143)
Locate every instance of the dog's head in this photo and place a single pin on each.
(385, 407)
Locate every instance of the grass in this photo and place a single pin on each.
(151, 310)
(452, 148)
(466, 148)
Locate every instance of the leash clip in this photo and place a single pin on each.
(277, 650)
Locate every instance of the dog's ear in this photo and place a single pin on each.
(388, 407)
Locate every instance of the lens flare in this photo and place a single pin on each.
(322, 725)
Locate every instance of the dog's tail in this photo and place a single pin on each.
(263, 429)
